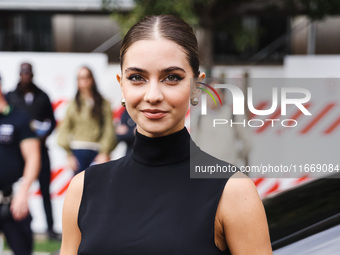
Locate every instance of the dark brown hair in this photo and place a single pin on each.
(97, 98)
(169, 27)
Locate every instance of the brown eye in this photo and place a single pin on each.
(173, 78)
(136, 78)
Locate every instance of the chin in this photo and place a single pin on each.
(155, 132)
(156, 129)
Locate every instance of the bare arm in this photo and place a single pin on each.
(30, 150)
(71, 233)
(242, 219)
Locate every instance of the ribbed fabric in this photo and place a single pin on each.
(146, 203)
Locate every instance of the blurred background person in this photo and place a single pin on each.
(28, 97)
(87, 133)
(19, 157)
(125, 130)
(228, 143)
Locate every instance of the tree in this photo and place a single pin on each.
(205, 15)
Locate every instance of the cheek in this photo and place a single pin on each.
(132, 97)
(179, 98)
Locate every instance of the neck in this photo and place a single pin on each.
(154, 135)
(25, 87)
(163, 150)
(85, 94)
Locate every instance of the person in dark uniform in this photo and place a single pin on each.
(28, 97)
(19, 157)
(146, 202)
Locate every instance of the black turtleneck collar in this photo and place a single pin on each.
(163, 150)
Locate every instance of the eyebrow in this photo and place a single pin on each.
(167, 70)
(173, 68)
(136, 69)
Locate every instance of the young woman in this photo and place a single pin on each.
(146, 203)
(87, 132)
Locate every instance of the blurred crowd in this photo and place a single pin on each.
(87, 134)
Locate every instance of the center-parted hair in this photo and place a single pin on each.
(168, 27)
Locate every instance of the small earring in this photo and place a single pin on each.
(123, 102)
(194, 101)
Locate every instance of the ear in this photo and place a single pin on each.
(201, 76)
(195, 92)
(119, 79)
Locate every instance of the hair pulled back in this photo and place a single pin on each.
(168, 27)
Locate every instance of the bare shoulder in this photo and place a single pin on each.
(242, 215)
(71, 233)
(240, 188)
(77, 182)
(239, 199)
(75, 191)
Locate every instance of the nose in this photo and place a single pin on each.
(153, 94)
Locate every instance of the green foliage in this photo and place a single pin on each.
(46, 246)
(245, 39)
(43, 245)
(196, 12)
(182, 8)
(318, 9)
(210, 14)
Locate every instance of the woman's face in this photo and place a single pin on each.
(155, 83)
(85, 80)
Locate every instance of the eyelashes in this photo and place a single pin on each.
(170, 79)
(173, 78)
(136, 78)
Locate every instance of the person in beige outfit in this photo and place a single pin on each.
(87, 132)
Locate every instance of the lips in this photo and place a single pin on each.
(154, 113)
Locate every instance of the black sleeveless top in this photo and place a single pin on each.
(146, 203)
